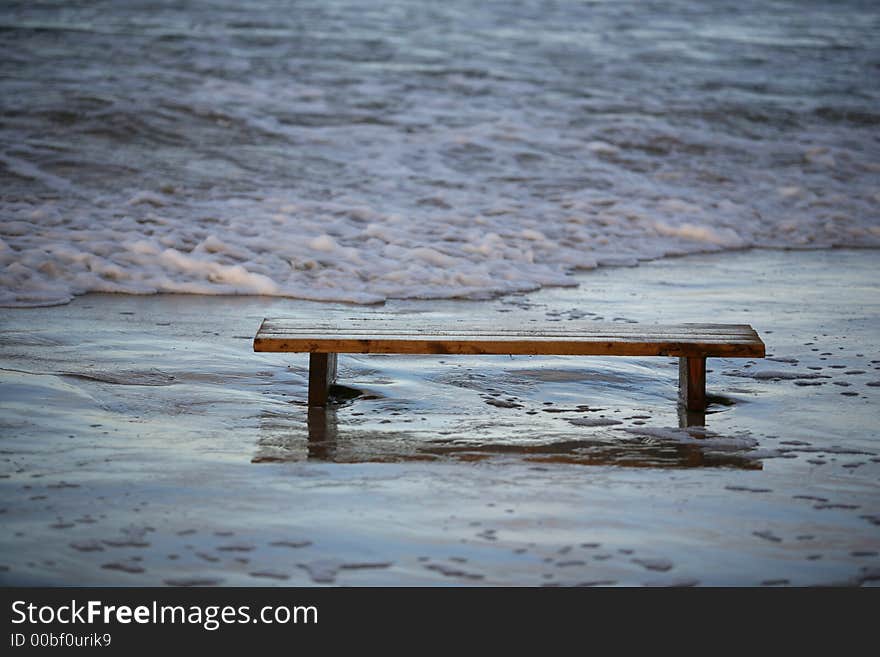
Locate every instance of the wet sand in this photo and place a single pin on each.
(144, 443)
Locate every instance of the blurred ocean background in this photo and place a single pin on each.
(358, 151)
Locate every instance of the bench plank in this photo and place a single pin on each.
(586, 339)
(405, 324)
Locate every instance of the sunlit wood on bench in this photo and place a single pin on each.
(691, 343)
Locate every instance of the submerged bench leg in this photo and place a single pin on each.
(692, 383)
(322, 374)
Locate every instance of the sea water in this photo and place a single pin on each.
(145, 443)
(363, 151)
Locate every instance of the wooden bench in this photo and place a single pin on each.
(691, 343)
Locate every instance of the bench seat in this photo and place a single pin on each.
(399, 334)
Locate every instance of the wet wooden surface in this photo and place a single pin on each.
(692, 382)
(400, 334)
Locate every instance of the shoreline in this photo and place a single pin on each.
(574, 273)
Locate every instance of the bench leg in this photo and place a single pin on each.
(687, 419)
(322, 374)
(692, 383)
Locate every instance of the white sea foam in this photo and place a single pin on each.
(320, 251)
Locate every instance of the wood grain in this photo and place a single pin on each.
(414, 335)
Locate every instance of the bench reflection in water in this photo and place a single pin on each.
(285, 439)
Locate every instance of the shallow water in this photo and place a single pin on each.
(143, 442)
(355, 151)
